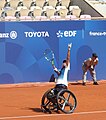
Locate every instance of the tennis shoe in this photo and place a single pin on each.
(84, 84)
(95, 83)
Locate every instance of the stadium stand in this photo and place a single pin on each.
(71, 17)
(29, 3)
(24, 14)
(15, 3)
(46, 3)
(7, 3)
(99, 6)
(10, 17)
(3, 15)
(36, 10)
(40, 18)
(66, 3)
(55, 18)
(85, 17)
(75, 10)
(89, 7)
(52, 9)
(62, 11)
(9, 12)
(40, 3)
(52, 3)
(2, 2)
(59, 3)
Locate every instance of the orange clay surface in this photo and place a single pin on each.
(22, 102)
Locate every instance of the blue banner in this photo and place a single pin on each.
(22, 45)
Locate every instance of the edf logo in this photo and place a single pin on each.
(66, 33)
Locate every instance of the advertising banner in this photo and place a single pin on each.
(22, 46)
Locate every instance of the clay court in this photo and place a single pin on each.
(22, 102)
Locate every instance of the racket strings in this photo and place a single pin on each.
(49, 55)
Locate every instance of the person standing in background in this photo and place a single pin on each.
(90, 64)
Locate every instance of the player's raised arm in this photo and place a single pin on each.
(68, 54)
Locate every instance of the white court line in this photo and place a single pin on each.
(48, 115)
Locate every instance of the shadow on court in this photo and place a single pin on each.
(35, 109)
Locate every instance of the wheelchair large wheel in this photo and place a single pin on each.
(66, 101)
(48, 101)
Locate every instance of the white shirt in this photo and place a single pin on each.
(63, 77)
(90, 62)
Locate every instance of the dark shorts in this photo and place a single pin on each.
(61, 86)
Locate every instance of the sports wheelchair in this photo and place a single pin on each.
(56, 99)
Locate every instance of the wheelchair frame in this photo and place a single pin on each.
(55, 100)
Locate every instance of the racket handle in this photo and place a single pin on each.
(52, 62)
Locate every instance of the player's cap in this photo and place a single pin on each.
(94, 55)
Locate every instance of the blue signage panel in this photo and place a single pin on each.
(22, 45)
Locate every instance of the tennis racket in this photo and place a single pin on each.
(49, 55)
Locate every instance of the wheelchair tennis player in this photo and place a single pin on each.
(61, 81)
(59, 97)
